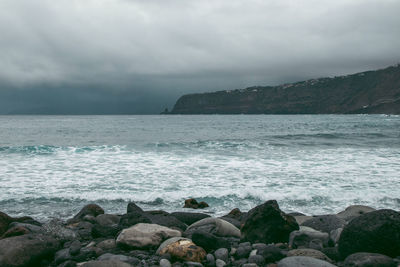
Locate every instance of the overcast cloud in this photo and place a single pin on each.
(138, 56)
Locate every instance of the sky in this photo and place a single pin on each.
(140, 56)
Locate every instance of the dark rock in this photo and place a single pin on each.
(75, 247)
(296, 214)
(105, 230)
(107, 219)
(31, 227)
(167, 220)
(270, 253)
(67, 264)
(27, 219)
(108, 256)
(332, 253)
(90, 209)
(132, 207)
(15, 231)
(266, 223)
(222, 254)
(189, 217)
(209, 241)
(5, 220)
(157, 212)
(376, 232)
(316, 244)
(334, 236)
(362, 259)
(132, 218)
(89, 218)
(57, 229)
(301, 261)
(193, 204)
(243, 251)
(108, 244)
(257, 259)
(26, 250)
(62, 255)
(239, 262)
(109, 263)
(325, 223)
(85, 254)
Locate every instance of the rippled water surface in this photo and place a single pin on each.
(50, 166)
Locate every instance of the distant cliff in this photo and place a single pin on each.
(366, 92)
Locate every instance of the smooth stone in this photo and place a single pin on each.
(183, 249)
(220, 263)
(105, 230)
(306, 252)
(133, 218)
(75, 247)
(26, 250)
(325, 223)
(332, 253)
(243, 251)
(266, 223)
(257, 259)
(62, 255)
(354, 211)
(210, 260)
(189, 217)
(107, 244)
(251, 265)
(165, 263)
(222, 254)
(145, 235)
(190, 264)
(302, 218)
(362, 259)
(375, 232)
(114, 257)
(303, 236)
(107, 219)
(301, 261)
(108, 263)
(214, 226)
(167, 221)
(316, 244)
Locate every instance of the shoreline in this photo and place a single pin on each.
(263, 236)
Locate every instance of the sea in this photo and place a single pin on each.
(51, 166)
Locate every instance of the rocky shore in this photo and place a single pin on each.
(263, 236)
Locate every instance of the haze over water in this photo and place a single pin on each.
(51, 166)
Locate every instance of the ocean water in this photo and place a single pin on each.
(51, 166)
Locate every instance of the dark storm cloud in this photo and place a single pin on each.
(113, 56)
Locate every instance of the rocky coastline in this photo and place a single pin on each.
(262, 236)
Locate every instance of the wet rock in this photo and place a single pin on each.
(332, 253)
(301, 261)
(108, 263)
(209, 241)
(220, 263)
(123, 258)
(5, 220)
(257, 259)
(222, 254)
(354, 211)
(57, 229)
(266, 223)
(210, 260)
(182, 249)
(376, 232)
(193, 204)
(144, 235)
(271, 253)
(362, 259)
(309, 253)
(105, 230)
(90, 209)
(214, 226)
(108, 244)
(189, 217)
(243, 251)
(165, 263)
(26, 250)
(325, 223)
(303, 237)
(15, 231)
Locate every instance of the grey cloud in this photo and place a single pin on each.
(150, 52)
